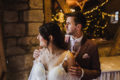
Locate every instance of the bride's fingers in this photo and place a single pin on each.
(35, 53)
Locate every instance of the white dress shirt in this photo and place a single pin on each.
(73, 41)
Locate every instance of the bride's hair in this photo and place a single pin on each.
(53, 29)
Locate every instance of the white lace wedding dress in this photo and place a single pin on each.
(38, 71)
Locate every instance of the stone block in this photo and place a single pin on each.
(23, 75)
(36, 4)
(21, 6)
(16, 6)
(16, 63)
(33, 48)
(34, 16)
(14, 51)
(28, 41)
(14, 1)
(10, 16)
(10, 42)
(14, 29)
(28, 61)
(20, 63)
(33, 28)
(19, 67)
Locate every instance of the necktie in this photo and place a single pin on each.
(72, 45)
(76, 48)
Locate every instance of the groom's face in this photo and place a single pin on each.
(70, 25)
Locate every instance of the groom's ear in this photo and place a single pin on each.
(51, 38)
(79, 26)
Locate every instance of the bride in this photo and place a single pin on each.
(53, 60)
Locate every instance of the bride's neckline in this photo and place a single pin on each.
(57, 59)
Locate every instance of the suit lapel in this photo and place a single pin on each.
(69, 44)
(84, 46)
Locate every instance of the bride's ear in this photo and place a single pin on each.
(51, 38)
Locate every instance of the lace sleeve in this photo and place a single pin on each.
(38, 69)
(40, 53)
(45, 57)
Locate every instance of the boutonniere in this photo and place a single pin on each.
(85, 56)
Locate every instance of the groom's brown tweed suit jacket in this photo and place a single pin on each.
(88, 59)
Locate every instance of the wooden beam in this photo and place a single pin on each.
(48, 11)
(64, 6)
(3, 67)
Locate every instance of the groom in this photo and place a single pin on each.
(85, 50)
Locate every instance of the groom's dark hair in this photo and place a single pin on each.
(79, 18)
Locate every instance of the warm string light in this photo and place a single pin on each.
(81, 4)
(87, 12)
(96, 23)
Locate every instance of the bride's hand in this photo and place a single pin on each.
(36, 53)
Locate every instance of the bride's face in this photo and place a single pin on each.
(42, 41)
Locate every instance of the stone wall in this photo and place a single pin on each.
(20, 22)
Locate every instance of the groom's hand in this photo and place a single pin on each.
(75, 70)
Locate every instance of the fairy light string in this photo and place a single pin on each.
(96, 21)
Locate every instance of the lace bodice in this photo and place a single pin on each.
(38, 71)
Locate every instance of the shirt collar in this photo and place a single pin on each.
(77, 39)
